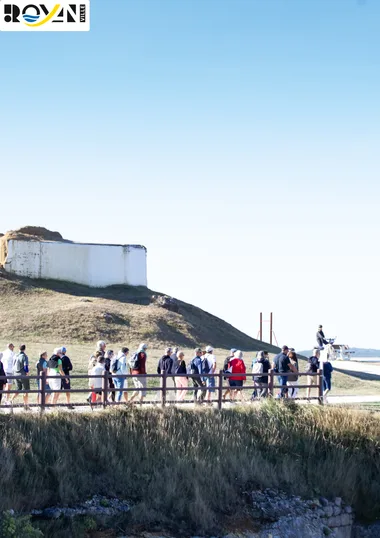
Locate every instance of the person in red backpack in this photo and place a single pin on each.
(237, 368)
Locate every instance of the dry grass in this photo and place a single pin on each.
(187, 469)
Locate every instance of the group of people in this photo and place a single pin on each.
(107, 366)
(58, 368)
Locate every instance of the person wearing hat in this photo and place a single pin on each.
(321, 340)
(65, 383)
(209, 367)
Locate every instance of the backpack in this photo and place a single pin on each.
(205, 366)
(53, 362)
(40, 365)
(114, 365)
(257, 368)
(134, 362)
(314, 364)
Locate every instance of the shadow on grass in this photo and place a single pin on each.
(364, 376)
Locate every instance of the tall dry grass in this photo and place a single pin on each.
(186, 468)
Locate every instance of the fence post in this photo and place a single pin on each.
(43, 390)
(220, 389)
(163, 389)
(320, 387)
(271, 382)
(105, 389)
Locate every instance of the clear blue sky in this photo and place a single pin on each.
(237, 139)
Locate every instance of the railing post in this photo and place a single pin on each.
(220, 389)
(320, 387)
(271, 382)
(105, 389)
(163, 389)
(43, 390)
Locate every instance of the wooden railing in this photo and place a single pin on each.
(163, 388)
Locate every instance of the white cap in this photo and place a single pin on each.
(209, 349)
(143, 346)
(57, 350)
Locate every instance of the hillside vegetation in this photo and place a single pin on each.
(53, 311)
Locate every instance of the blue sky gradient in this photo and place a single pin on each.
(237, 139)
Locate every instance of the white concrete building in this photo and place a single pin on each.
(93, 265)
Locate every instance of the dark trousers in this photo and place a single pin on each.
(197, 382)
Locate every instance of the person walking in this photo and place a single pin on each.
(195, 369)
(119, 367)
(41, 367)
(55, 373)
(8, 360)
(327, 372)
(238, 376)
(137, 367)
(209, 367)
(181, 380)
(259, 368)
(225, 371)
(312, 370)
(107, 366)
(3, 377)
(21, 370)
(165, 365)
(293, 378)
(67, 368)
(97, 382)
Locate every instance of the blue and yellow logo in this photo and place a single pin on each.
(32, 14)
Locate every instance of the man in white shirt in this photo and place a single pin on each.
(209, 366)
(8, 359)
(97, 382)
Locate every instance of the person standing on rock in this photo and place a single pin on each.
(8, 360)
(137, 368)
(21, 370)
(67, 368)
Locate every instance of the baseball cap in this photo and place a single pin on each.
(63, 349)
(233, 349)
(209, 349)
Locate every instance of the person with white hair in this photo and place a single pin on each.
(8, 359)
(237, 368)
(101, 347)
(209, 367)
(55, 372)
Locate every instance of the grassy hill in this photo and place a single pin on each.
(53, 311)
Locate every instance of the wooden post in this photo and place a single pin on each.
(261, 326)
(163, 389)
(220, 389)
(105, 389)
(43, 390)
(320, 386)
(271, 382)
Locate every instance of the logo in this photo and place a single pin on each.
(48, 16)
